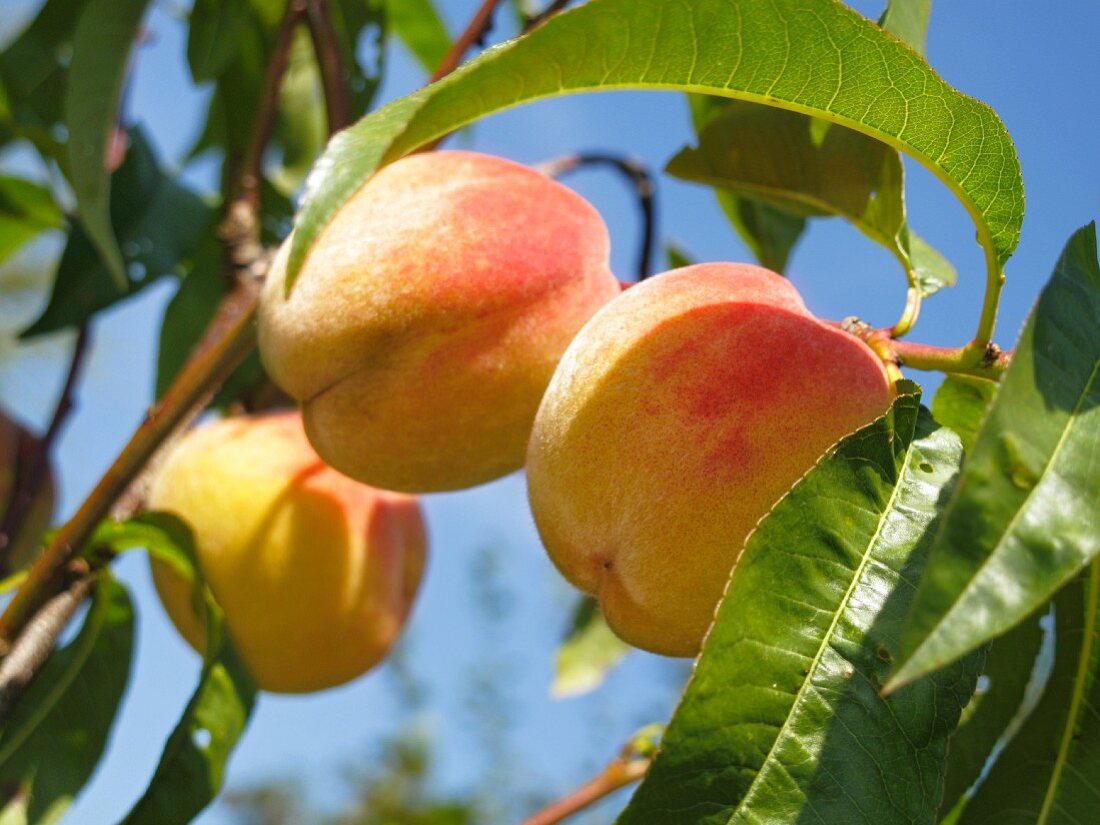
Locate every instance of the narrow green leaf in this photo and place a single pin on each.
(34, 66)
(588, 652)
(214, 31)
(678, 256)
(26, 209)
(907, 20)
(770, 233)
(803, 167)
(159, 223)
(961, 403)
(844, 62)
(1023, 518)
(56, 735)
(987, 719)
(1048, 772)
(420, 28)
(782, 720)
(102, 42)
(192, 767)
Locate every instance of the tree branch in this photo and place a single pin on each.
(618, 774)
(253, 163)
(644, 188)
(544, 15)
(327, 51)
(474, 33)
(31, 480)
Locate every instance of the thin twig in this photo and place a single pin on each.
(544, 15)
(38, 639)
(474, 33)
(252, 165)
(644, 187)
(330, 64)
(618, 774)
(31, 480)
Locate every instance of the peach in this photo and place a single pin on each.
(315, 572)
(427, 320)
(678, 416)
(19, 550)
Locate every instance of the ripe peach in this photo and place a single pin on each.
(426, 322)
(315, 572)
(678, 416)
(24, 546)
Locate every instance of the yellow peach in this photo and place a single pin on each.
(678, 416)
(427, 320)
(315, 572)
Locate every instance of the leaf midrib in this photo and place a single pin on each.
(828, 635)
(1086, 391)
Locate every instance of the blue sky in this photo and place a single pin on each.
(491, 601)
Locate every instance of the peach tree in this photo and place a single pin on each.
(871, 653)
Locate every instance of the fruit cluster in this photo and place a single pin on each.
(455, 321)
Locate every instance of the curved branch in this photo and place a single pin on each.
(644, 188)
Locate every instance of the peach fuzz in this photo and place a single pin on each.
(677, 418)
(315, 572)
(428, 318)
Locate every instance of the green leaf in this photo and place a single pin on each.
(53, 740)
(1047, 773)
(989, 717)
(804, 167)
(907, 20)
(849, 72)
(214, 31)
(961, 402)
(420, 28)
(192, 767)
(769, 232)
(588, 652)
(159, 223)
(678, 256)
(26, 209)
(1023, 518)
(102, 41)
(33, 70)
(782, 720)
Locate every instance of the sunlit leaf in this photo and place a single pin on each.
(783, 720)
(908, 21)
(844, 61)
(1023, 518)
(26, 209)
(961, 403)
(1048, 772)
(588, 652)
(102, 41)
(58, 731)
